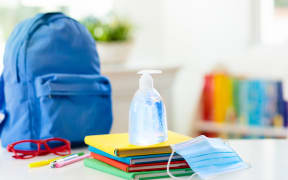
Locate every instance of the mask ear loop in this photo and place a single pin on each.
(171, 175)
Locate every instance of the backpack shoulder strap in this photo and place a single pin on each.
(21, 33)
(2, 104)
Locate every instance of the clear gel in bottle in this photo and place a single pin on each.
(147, 116)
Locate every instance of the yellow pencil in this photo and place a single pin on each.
(44, 163)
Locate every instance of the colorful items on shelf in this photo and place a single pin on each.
(113, 154)
(243, 101)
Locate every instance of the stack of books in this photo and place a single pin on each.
(113, 154)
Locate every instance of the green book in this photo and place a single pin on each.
(236, 97)
(100, 166)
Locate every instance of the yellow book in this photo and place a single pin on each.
(118, 144)
(223, 98)
(219, 98)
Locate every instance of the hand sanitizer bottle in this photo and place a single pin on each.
(147, 116)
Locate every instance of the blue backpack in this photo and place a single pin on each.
(51, 84)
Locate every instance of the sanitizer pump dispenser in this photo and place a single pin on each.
(147, 116)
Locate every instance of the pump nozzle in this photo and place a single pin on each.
(146, 80)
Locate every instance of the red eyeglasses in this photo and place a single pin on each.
(22, 149)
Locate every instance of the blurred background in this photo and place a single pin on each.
(224, 62)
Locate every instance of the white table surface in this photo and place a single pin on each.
(268, 160)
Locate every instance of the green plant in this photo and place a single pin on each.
(109, 29)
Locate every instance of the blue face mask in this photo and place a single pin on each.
(208, 157)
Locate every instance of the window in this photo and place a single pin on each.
(14, 11)
(274, 21)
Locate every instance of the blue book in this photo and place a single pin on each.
(281, 104)
(270, 108)
(137, 159)
(255, 102)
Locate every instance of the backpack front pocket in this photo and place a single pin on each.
(73, 106)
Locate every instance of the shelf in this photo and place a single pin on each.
(241, 129)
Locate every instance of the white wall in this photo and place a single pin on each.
(201, 34)
(193, 33)
(147, 17)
